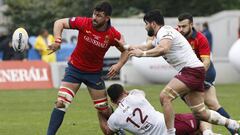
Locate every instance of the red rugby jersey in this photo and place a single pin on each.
(199, 44)
(92, 45)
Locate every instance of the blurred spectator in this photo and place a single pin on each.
(8, 52)
(239, 32)
(43, 40)
(198, 27)
(207, 34)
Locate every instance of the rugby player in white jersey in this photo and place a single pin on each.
(135, 114)
(176, 50)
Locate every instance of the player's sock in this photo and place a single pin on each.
(171, 131)
(225, 114)
(55, 121)
(208, 132)
(232, 124)
(216, 118)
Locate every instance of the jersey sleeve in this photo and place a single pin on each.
(112, 124)
(137, 92)
(204, 48)
(77, 22)
(166, 33)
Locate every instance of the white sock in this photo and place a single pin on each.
(232, 124)
(208, 132)
(171, 131)
(216, 118)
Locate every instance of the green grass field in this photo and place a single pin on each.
(28, 112)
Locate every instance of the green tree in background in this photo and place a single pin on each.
(36, 14)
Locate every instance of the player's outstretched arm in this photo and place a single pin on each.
(114, 69)
(146, 46)
(161, 49)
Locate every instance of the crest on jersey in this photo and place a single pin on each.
(73, 19)
(88, 31)
(106, 40)
(192, 45)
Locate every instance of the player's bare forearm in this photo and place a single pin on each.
(155, 52)
(123, 58)
(161, 49)
(103, 124)
(206, 62)
(59, 25)
(144, 47)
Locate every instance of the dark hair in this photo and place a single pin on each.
(43, 30)
(205, 24)
(184, 16)
(154, 15)
(115, 91)
(105, 7)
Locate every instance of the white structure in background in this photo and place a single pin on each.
(155, 70)
(234, 55)
(139, 71)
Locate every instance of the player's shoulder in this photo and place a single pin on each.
(201, 36)
(137, 92)
(167, 28)
(115, 115)
(113, 32)
(112, 29)
(80, 19)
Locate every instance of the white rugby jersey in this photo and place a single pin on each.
(136, 115)
(180, 54)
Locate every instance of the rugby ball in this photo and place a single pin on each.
(20, 40)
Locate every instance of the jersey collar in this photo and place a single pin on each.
(194, 33)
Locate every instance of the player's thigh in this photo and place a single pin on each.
(97, 94)
(177, 86)
(72, 86)
(194, 98)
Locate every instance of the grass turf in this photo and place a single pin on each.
(27, 112)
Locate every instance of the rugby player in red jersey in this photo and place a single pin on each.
(96, 36)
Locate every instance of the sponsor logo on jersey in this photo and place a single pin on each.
(95, 42)
(192, 45)
(96, 37)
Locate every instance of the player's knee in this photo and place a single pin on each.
(65, 97)
(167, 95)
(101, 105)
(199, 111)
(59, 104)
